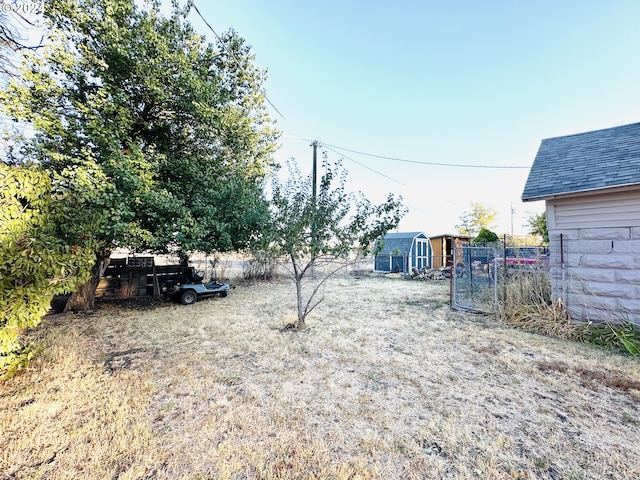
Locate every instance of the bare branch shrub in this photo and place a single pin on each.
(260, 266)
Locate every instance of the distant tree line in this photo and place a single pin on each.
(479, 221)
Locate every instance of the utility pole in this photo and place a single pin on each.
(513, 211)
(315, 169)
(314, 227)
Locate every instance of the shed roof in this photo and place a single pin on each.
(584, 162)
(401, 241)
(451, 235)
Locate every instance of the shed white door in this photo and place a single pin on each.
(422, 253)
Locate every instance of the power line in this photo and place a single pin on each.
(361, 164)
(207, 24)
(232, 54)
(419, 162)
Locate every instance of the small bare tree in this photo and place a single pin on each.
(316, 235)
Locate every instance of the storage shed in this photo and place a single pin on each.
(591, 185)
(403, 251)
(443, 247)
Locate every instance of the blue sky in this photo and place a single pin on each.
(454, 82)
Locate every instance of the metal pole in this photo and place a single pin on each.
(563, 296)
(315, 169)
(504, 266)
(314, 204)
(512, 212)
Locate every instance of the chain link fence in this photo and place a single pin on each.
(481, 273)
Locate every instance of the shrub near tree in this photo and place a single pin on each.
(312, 233)
(177, 127)
(486, 236)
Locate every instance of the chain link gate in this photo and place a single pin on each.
(474, 279)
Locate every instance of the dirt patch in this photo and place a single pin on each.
(609, 378)
(120, 360)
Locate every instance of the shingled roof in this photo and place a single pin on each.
(584, 162)
(401, 241)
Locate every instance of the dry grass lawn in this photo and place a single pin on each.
(386, 383)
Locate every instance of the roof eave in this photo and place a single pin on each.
(580, 193)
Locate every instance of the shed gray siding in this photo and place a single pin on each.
(403, 251)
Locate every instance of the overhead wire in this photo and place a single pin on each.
(420, 162)
(333, 148)
(232, 54)
(361, 164)
(338, 150)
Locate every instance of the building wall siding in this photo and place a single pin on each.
(595, 255)
(597, 278)
(411, 252)
(439, 252)
(610, 210)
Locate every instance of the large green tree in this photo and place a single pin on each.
(44, 249)
(177, 126)
(315, 235)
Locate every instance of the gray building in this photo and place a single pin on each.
(403, 251)
(590, 183)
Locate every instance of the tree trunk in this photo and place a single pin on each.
(84, 298)
(298, 280)
(301, 313)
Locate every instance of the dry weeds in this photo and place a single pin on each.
(386, 383)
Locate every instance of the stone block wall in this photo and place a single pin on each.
(596, 272)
